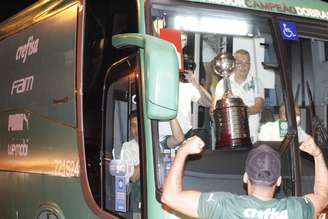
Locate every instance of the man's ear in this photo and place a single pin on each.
(245, 178)
(278, 183)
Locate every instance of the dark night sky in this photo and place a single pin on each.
(11, 7)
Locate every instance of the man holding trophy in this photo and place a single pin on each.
(244, 86)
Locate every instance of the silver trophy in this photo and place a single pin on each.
(224, 63)
(230, 114)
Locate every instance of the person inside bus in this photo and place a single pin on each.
(175, 137)
(130, 153)
(276, 131)
(262, 176)
(189, 91)
(247, 87)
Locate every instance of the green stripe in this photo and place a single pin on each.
(303, 8)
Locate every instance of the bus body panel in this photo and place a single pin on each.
(39, 162)
(25, 195)
(43, 147)
(39, 65)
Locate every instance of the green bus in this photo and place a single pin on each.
(73, 70)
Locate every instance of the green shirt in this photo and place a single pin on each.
(225, 205)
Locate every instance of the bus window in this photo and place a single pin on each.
(120, 139)
(205, 34)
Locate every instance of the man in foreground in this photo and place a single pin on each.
(262, 176)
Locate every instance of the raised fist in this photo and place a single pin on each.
(310, 147)
(193, 145)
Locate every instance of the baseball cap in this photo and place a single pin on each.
(263, 165)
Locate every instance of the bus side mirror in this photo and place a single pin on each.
(159, 63)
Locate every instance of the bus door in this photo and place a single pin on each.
(306, 54)
(120, 194)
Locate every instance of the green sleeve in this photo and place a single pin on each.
(301, 207)
(211, 205)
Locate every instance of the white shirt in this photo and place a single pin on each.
(270, 131)
(129, 157)
(248, 90)
(187, 94)
(130, 152)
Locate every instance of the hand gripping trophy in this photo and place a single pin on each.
(230, 114)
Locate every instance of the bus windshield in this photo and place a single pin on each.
(202, 34)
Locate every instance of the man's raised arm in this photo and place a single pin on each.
(185, 202)
(205, 99)
(319, 197)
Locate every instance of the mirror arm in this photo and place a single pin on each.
(128, 39)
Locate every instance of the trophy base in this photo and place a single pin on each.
(226, 142)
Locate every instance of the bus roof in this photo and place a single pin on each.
(304, 8)
(33, 14)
